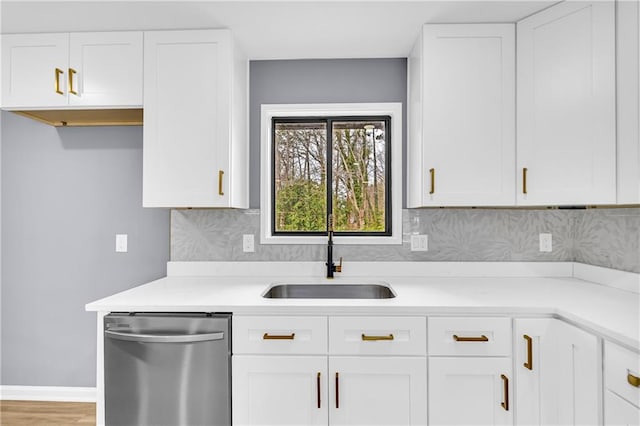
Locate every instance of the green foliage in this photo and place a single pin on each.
(301, 205)
(358, 179)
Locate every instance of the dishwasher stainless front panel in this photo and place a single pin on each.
(167, 369)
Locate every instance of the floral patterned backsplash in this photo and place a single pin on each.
(602, 237)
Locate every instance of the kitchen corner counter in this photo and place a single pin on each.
(607, 311)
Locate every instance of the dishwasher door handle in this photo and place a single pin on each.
(164, 338)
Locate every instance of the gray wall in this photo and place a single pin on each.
(65, 194)
(321, 81)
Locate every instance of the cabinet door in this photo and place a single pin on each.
(628, 100)
(470, 391)
(187, 86)
(105, 69)
(534, 370)
(618, 412)
(377, 391)
(34, 70)
(563, 385)
(578, 380)
(283, 390)
(468, 115)
(566, 105)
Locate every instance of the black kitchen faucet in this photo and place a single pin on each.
(331, 267)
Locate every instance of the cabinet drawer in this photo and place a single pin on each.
(618, 412)
(469, 336)
(378, 335)
(279, 335)
(622, 372)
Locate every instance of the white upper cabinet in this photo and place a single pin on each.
(461, 148)
(195, 112)
(566, 105)
(105, 69)
(628, 96)
(77, 70)
(34, 70)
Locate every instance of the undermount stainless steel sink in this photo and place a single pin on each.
(329, 291)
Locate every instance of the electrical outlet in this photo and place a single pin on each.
(546, 244)
(248, 245)
(419, 243)
(121, 243)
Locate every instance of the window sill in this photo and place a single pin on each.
(339, 241)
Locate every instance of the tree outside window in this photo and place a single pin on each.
(337, 165)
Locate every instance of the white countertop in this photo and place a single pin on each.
(609, 312)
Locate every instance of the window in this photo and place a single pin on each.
(336, 165)
(343, 159)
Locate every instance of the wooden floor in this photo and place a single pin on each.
(18, 413)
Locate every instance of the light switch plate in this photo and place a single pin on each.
(248, 245)
(419, 242)
(546, 243)
(121, 243)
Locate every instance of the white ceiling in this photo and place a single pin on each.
(272, 29)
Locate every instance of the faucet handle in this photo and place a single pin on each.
(339, 267)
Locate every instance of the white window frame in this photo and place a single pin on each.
(270, 111)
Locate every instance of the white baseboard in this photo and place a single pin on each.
(47, 393)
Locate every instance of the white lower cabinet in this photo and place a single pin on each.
(622, 386)
(279, 390)
(357, 371)
(534, 364)
(617, 411)
(297, 390)
(377, 391)
(470, 391)
(345, 370)
(557, 374)
(470, 365)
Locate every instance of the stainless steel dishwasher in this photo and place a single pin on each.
(167, 369)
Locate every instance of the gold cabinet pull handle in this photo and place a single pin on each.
(318, 388)
(71, 73)
(373, 338)
(529, 363)
(432, 172)
(524, 180)
(337, 391)
(482, 338)
(633, 380)
(505, 403)
(268, 336)
(58, 73)
(220, 176)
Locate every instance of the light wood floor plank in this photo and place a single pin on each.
(20, 413)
